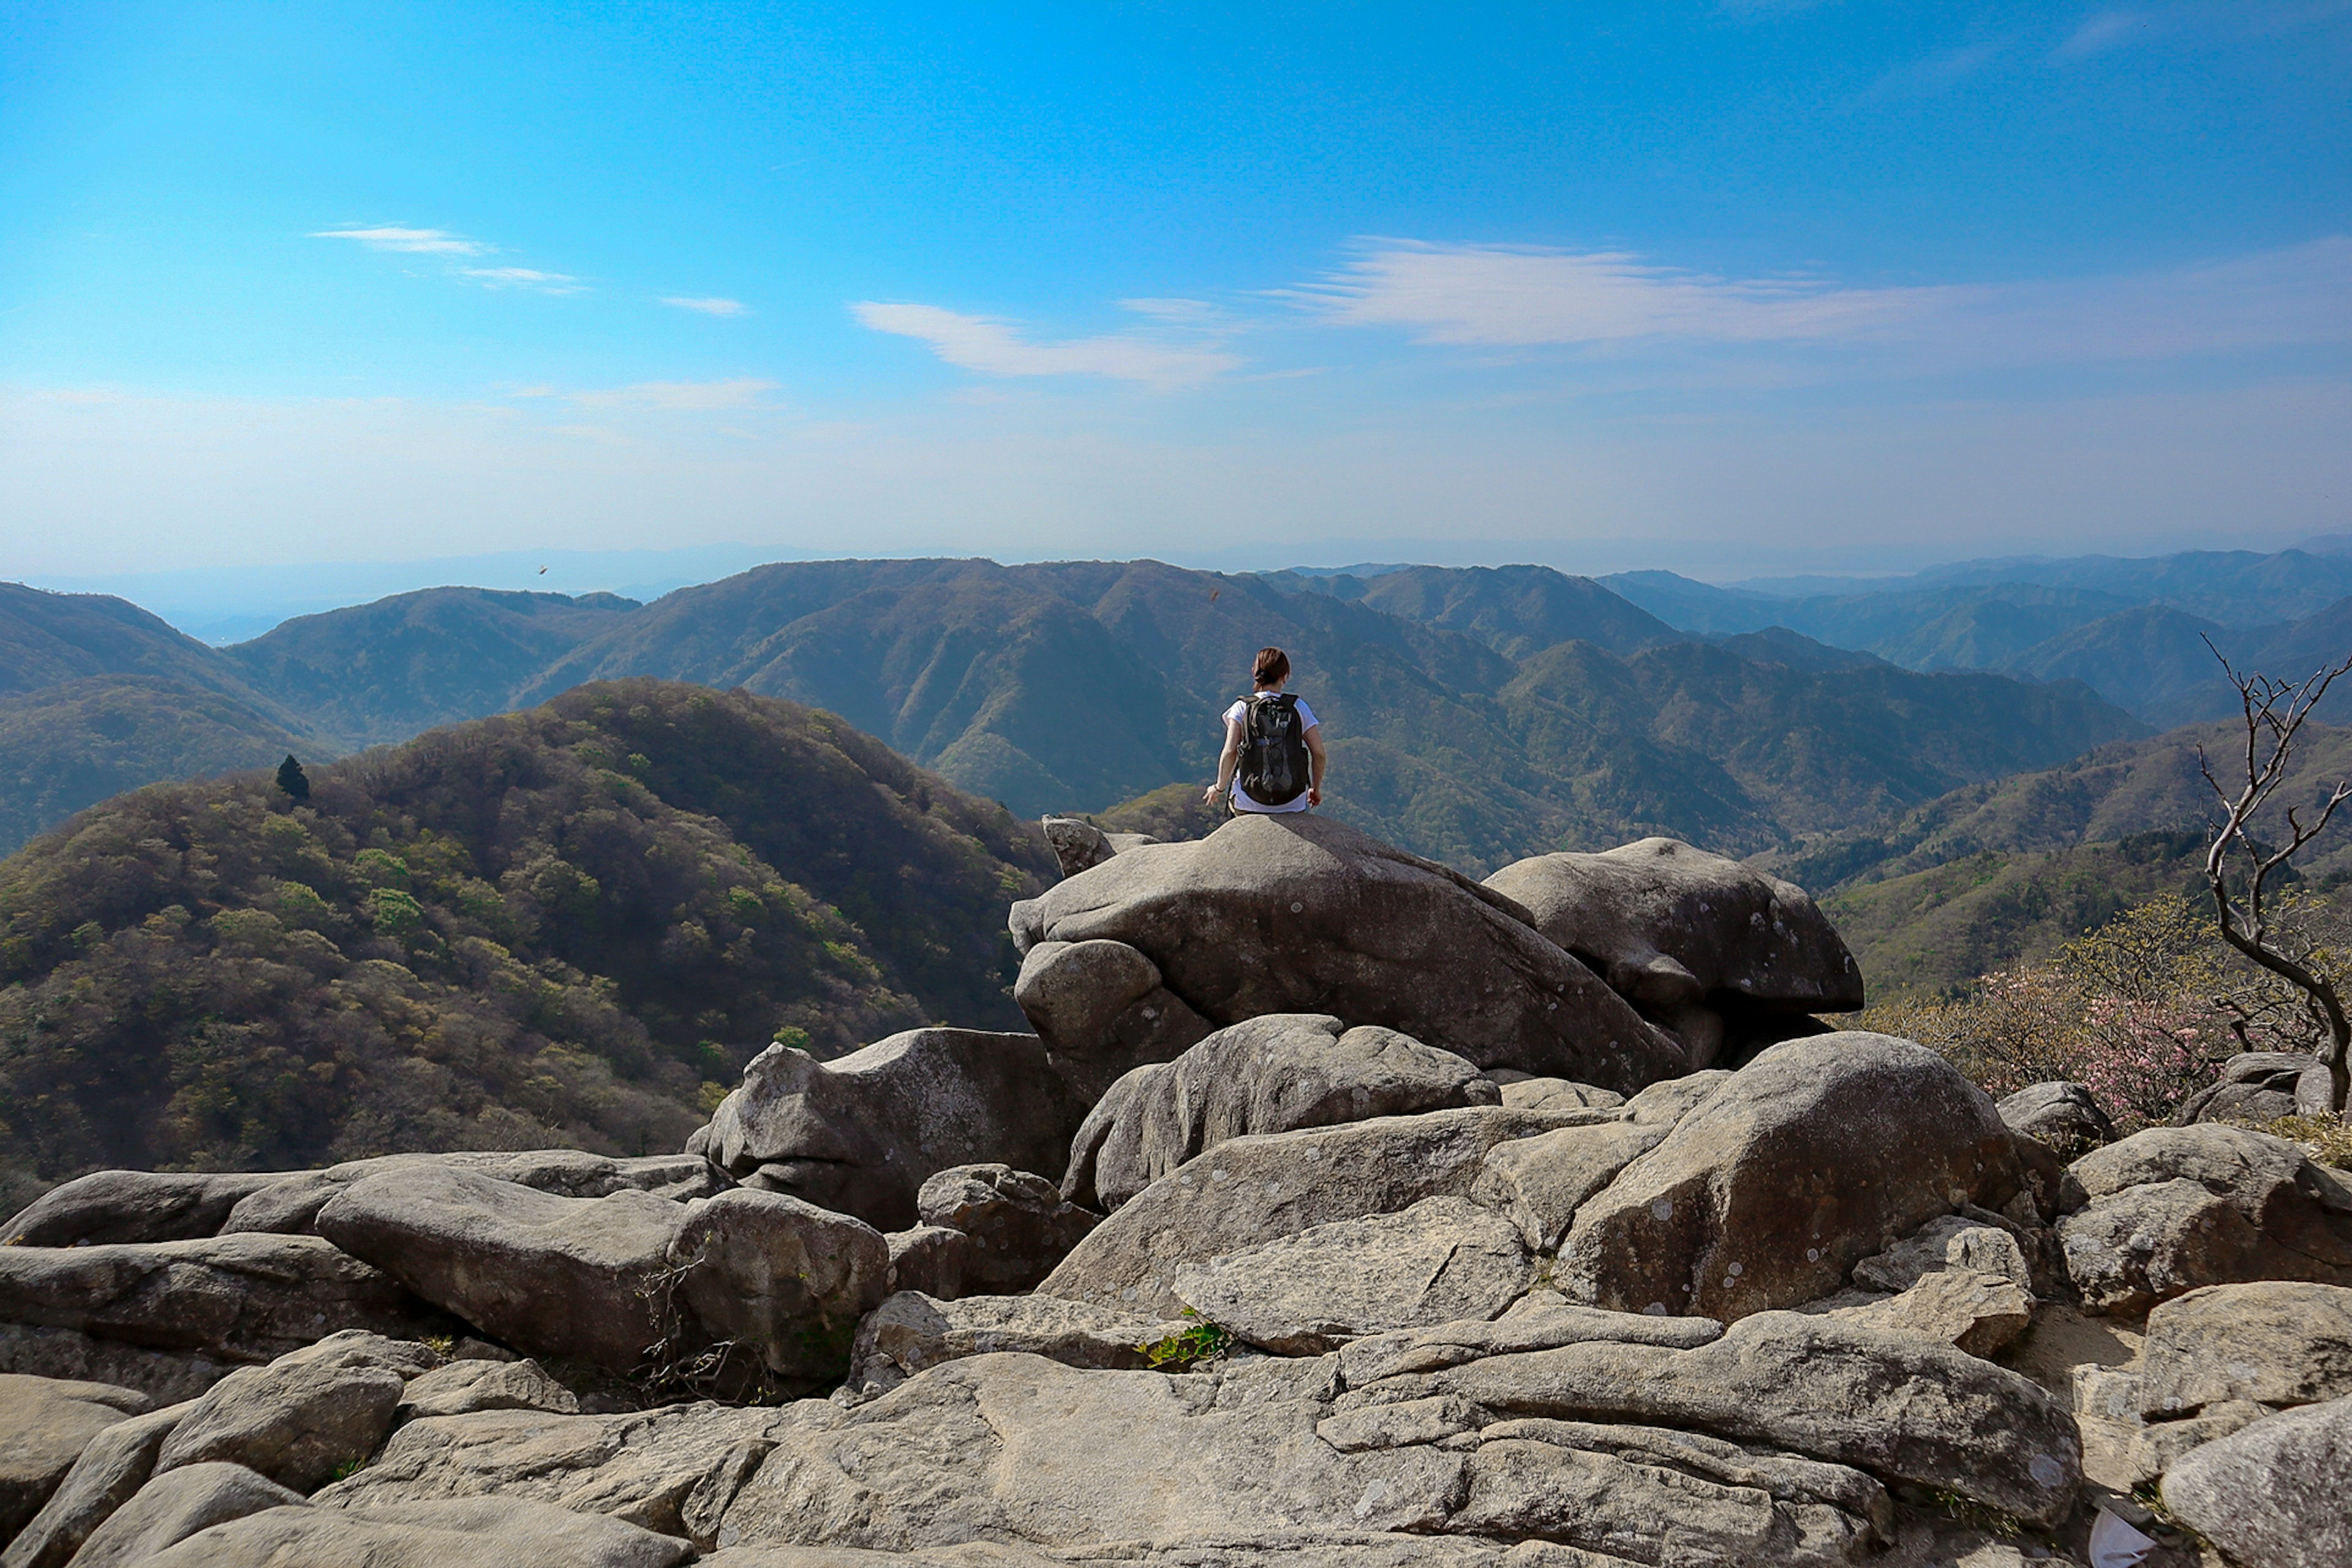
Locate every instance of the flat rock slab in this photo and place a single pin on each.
(108, 1474)
(1441, 1261)
(465, 1387)
(1251, 1191)
(133, 1206)
(44, 1426)
(2274, 1492)
(476, 1532)
(1541, 1181)
(172, 1508)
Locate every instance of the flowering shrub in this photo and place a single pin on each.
(2143, 1012)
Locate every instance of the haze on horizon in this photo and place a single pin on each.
(1749, 287)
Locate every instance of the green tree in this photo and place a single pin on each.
(292, 779)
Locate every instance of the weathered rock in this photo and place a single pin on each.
(1948, 1242)
(1442, 1260)
(1524, 1093)
(2157, 1446)
(1100, 1008)
(291, 1204)
(111, 1470)
(1019, 1224)
(1686, 935)
(1541, 1182)
(1271, 1074)
(2273, 1493)
(1239, 1466)
(112, 1206)
(470, 1532)
(2066, 1118)
(1542, 1320)
(1251, 1191)
(913, 1332)
(171, 1508)
(2276, 1342)
(463, 1387)
(1076, 842)
(297, 1421)
(930, 1258)
(860, 1136)
(71, 1356)
(784, 1280)
(1963, 1308)
(674, 1470)
(2173, 1208)
(230, 1300)
(1301, 913)
(1666, 1103)
(564, 1277)
(1900, 1407)
(44, 1426)
(2259, 1086)
(1810, 1158)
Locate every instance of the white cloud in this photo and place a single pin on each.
(713, 307)
(992, 347)
(422, 241)
(742, 392)
(525, 278)
(1516, 295)
(2101, 31)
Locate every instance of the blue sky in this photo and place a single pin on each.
(1721, 287)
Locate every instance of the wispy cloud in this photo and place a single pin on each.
(2102, 31)
(995, 347)
(1516, 295)
(421, 241)
(1936, 72)
(742, 392)
(525, 278)
(712, 307)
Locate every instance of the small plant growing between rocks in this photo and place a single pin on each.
(348, 1469)
(1186, 1348)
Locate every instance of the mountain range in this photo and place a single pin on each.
(1475, 714)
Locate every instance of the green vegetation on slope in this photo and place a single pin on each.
(559, 927)
(73, 744)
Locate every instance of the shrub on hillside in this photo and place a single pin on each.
(2143, 1011)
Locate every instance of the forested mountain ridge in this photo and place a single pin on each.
(550, 927)
(1464, 724)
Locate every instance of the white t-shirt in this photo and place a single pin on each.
(1239, 714)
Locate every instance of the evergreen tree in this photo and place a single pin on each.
(292, 780)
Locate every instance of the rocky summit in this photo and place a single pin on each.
(1341, 1210)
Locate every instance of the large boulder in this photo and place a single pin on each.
(1019, 1228)
(1441, 1261)
(44, 1426)
(2172, 1208)
(1250, 1191)
(1715, 951)
(291, 1203)
(2066, 1118)
(608, 1280)
(1271, 1074)
(860, 1135)
(1301, 913)
(133, 1206)
(1794, 1168)
(1100, 1008)
(109, 1472)
(2273, 1342)
(173, 1317)
(2272, 1493)
(304, 1417)
(2261, 1086)
(172, 1508)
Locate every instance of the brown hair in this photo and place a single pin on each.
(1272, 668)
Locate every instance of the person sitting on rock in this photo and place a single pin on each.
(1274, 759)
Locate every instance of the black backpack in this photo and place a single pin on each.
(1273, 750)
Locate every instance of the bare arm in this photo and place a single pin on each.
(1232, 758)
(1315, 761)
